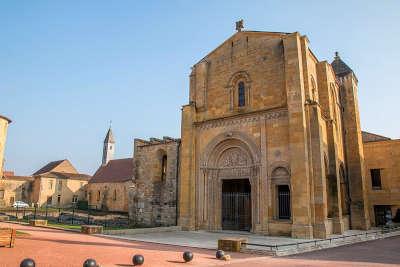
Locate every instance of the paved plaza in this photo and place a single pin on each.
(50, 247)
(204, 239)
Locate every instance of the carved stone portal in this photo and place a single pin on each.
(231, 158)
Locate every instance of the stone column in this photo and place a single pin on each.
(299, 163)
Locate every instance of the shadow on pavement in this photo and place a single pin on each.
(386, 251)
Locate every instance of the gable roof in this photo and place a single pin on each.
(58, 165)
(371, 137)
(241, 33)
(115, 171)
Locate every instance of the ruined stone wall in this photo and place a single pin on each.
(152, 200)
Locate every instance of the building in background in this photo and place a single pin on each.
(382, 167)
(15, 188)
(4, 122)
(108, 188)
(58, 184)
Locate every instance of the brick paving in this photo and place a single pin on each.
(51, 247)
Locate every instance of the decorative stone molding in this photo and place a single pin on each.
(222, 142)
(226, 122)
(279, 164)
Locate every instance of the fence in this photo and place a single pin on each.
(322, 242)
(70, 216)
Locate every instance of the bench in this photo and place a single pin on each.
(7, 237)
(38, 222)
(92, 229)
(233, 244)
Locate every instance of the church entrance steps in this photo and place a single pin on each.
(257, 244)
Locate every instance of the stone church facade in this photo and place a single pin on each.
(271, 141)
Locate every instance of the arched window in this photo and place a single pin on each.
(164, 168)
(241, 94)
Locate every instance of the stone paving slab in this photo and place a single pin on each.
(209, 240)
(203, 239)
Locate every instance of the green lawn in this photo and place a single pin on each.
(65, 226)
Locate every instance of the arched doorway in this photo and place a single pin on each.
(229, 198)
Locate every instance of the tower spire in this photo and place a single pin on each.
(339, 66)
(108, 146)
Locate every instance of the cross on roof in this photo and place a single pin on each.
(239, 25)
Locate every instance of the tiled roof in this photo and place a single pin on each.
(339, 67)
(48, 167)
(370, 137)
(115, 171)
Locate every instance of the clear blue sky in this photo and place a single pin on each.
(68, 68)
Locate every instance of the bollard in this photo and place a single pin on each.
(137, 260)
(187, 256)
(27, 263)
(90, 263)
(219, 254)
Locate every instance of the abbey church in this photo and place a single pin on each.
(271, 141)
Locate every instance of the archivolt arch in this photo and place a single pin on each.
(240, 141)
(237, 76)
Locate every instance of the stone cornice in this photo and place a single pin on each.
(242, 119)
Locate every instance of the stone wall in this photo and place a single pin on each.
(109, 196)
(383, 155)
(152, 199)
(48, 188)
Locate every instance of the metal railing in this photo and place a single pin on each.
(68, 216)
(279, 247)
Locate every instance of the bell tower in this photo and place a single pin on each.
(108, 147)
(354, 153)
